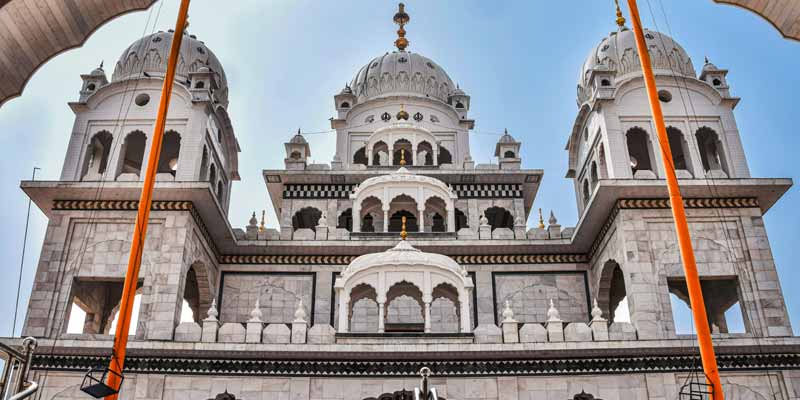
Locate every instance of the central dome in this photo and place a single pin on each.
(402, 73)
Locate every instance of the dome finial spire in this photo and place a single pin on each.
(620, 18)
(403, 233)
(401, 18)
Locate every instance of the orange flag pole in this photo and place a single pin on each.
(145, 202)
(678, 213)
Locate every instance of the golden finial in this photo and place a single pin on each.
(262, 228)
(403, 233)
(620, 18)
(541, 219)
(401, 18)
(402, 157)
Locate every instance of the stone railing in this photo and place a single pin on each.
(255, 330)
(554, 330)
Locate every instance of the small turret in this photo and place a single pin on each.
(507, 152)
(92, 81)
(297, 152)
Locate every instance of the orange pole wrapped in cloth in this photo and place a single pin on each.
(678, 213)
(145, 202)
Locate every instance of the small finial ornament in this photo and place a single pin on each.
(402, 157)
(597, 313)
(212, 313)
(102, 61)
(552, 220)
(620, 18)
(253, 221)
(541, 219)
(403, 233)
(401, 18)
(552, 313)
(262, 228)
(255, 313)
(300, 312)
(508, 313)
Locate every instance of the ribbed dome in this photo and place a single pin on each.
(402, 73)
(149, 55)
(618, 53)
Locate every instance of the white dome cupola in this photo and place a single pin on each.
(616, 59)
(147, 57)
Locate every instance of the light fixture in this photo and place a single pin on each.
(173, 164)
(634, 162)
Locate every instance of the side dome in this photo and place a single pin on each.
(402, 73)
(148, 57)
(618, 53)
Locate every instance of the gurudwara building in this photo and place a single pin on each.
(334, 305)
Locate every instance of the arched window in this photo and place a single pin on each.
(368, 223)
(459, 105)
(499, 217)
(461, 220)
(360, 157)
(639, 150)
(306, 218)
(404, 308)
(435, 212)
(199, 85)
(203, 164)
(345, 105)
(381, 154)
(679, 148)
(133, 153)
(170, 150)
(424, 153)
(295, 155)
(403, 206)
(612, 297)
(220, 191)
(212, 176)
(509, 154)
(605, 82)
(593, 174)
(602, 157)
(346, 220)
(586, 193)
(444, 156)
(711, 152)
(96, 158)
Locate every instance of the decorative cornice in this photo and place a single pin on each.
(460, 259)
(364, 366)
(119, 205)
(650, 204)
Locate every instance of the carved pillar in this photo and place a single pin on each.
(356, 216)
(381, 315)
(421, 219)
(369, 156)
(464, 302)
(451, 218)
(344, 311)
(413, 154)
(427, 316)
(386, 220)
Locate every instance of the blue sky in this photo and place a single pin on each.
(519, 60)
